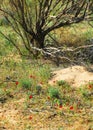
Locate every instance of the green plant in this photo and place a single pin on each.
(26, 83)
(38, 89)
(53, 92)
(58, 102)
(3, 21)
(44, 73)
(63, 83)
(85, 93)
(2, 92)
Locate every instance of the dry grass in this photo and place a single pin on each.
(19, 112)
(74, 35)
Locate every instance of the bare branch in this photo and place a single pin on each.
(33, 20)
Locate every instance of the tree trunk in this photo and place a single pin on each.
(38, 43)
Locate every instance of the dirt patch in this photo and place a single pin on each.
(20, 112)
(75, 75)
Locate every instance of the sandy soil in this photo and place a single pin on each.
(14, 115)
(75, 75)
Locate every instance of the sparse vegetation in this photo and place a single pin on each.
(28, 101)
(53, 92)
(26, 83)
(38, 89)
(63, 83)
(37, 97)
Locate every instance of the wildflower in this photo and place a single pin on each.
(54, 81)
(30, 118)
(60, 106)
(41, 83)
(30, 97)
(48, 98)
(71, 108)
(90, 86)
(16, 82)
(31, 76)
